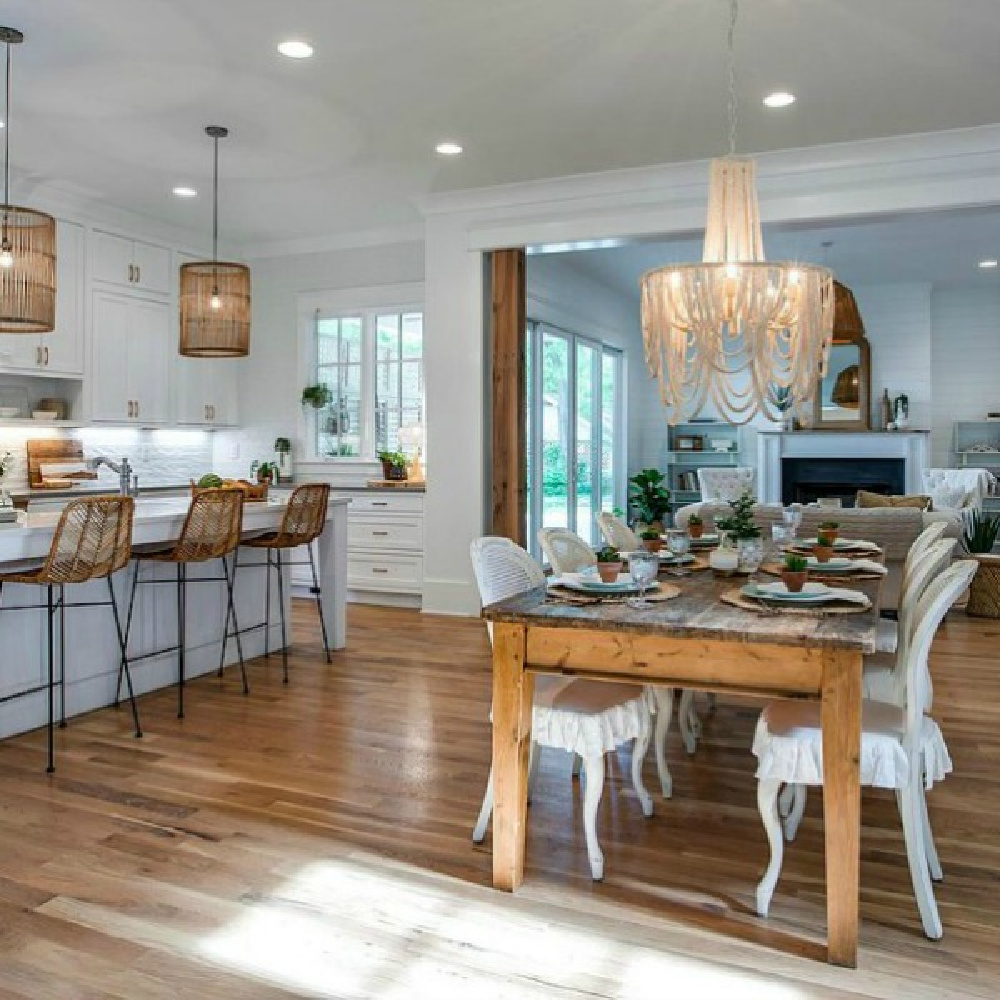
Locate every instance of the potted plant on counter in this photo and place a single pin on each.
(651, 540)
(649, 498)
(793, 573)
(393, 464)
(980, 538)
(317, 396)
(265, 472)
(696, 526)
(609, 563)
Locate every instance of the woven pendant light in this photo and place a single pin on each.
(215, 295)
(27, 246)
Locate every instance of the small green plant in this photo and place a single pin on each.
(317, 396)
(981, 532)
(396, 459)
(829, 526)
(695, 519)
(740, 523)
(650, 535)
(648, 496)
(608, 554)
(6, 460)
(282, 445)
(795, 564)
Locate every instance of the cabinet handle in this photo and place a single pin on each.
(130, 407)
(46, 357)
(380, 503)
(379, 569)
(38, 355)
(380, 532)
(131, 273)
(211, 413)
(138, 274)
(137, 407)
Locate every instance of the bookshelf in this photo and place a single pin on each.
(693, 445)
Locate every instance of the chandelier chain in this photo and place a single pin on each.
(6, 137)
(733, 107)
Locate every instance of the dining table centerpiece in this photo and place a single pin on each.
(741, 528)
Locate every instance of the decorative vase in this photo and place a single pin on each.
(750, 554)
(724, 559)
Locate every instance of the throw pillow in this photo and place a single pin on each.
(949, 497)
(866, 499)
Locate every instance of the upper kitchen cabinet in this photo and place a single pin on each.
(60, 353)
(128, 263)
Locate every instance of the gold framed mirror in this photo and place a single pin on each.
(843, 397)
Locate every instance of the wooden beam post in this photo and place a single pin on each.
(508, 425)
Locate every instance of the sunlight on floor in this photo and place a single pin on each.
(360, 928)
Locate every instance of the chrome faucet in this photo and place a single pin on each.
(128, 484)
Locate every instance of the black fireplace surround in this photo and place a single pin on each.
(805, 480)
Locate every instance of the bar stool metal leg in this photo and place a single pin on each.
(319, 602)
(230, 580)
(51, 650)
(284, 637)
(181, 574)
(62, 657)
(267, 605)
(123, 667)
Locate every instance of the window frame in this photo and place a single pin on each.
(367, 302)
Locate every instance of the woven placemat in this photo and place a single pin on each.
(800, 549)
(776, 569)
(699, 563)
(563, 595)
(739, 600)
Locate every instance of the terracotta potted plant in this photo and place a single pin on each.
(651, 540)
(609, 564)
(793, 573)
(393, 464)
(696, 526)
(823, 549)
(829, 529)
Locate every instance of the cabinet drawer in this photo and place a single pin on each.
(370, 571)
(387, 532)
(378, 501)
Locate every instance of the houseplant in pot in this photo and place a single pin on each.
(696, 526)
(283, 451)
(609, 563)
(649, 498)
(829, 530)
(793, 573)
(393, 464)
(823, 549)
(651, 540)
(981, 533)
(740, 526)
(317, 396)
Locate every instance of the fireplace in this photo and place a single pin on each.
(805, 480)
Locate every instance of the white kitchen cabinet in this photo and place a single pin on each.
(59, 353)
(132, 359)
(205, 392)
(128, 263)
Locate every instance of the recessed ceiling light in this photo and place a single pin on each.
(989, 262)
(448, 148)
(295, 49)
(185, 192)
(779, 99)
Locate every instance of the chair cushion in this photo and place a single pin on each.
(588, 717)
(877, 682)
(865, 499)
(788, 745)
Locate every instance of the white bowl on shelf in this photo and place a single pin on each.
(7, 412)
(44, 414)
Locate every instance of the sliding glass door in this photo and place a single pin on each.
(574, 431)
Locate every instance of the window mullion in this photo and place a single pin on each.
(369, 377)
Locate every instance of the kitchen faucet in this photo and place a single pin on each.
(128, 486)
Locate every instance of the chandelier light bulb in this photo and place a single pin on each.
(215, 302)
(6, 256)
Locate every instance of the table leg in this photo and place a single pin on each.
(513, 690)
(842, 801)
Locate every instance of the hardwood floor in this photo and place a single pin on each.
(313, 840)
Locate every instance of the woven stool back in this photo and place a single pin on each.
(93, 540)
(212, 527)
(304, 517)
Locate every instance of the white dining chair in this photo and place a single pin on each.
(902, 748)
(566, 551)
(586, 718)
(617, 533)
(725, 483)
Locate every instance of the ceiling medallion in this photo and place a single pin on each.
(736, 332)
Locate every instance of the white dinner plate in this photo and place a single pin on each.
(846, 543)
(811, 593)
(832, 565)
(669, 559)
(588, 583)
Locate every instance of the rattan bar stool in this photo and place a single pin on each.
(302, 524)
(211, 531)
(93, 540)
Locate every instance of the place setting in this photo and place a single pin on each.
(608, 584)
(797, 596)
(674, 550)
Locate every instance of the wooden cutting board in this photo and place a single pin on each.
(54, 451)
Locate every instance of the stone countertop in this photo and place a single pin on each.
(699, 614)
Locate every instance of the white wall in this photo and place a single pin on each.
(270, 382)
(965, 359)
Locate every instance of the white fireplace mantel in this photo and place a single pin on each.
(772, 446)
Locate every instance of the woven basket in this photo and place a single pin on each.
(251, 492)
(984, 591)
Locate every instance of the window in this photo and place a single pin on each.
(372, 362)
(575, 455)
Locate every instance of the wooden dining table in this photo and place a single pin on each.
(695, 641)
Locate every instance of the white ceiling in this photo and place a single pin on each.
(940, 248)
(111, 96)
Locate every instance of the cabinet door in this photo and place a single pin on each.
(20, 352)
(222, 395)
(152, 267)
(62, 349)
(110, 391)
(150, 360)
(192, 390)
(111, 259)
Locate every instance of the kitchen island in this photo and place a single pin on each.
(92, 654)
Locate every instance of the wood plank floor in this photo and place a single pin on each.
(313, 840)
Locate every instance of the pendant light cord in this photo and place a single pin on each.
(733, 108)
(215, 202)
(6, 138)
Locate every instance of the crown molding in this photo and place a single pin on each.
(351, 240)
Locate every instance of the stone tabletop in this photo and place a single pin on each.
(699, 613)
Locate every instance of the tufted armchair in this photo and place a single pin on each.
(725, 482)
(957, 489)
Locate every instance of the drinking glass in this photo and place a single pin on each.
(643, 567)
(678, 542)
(792, 517)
